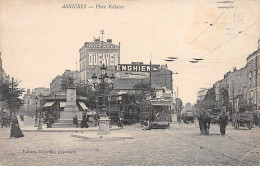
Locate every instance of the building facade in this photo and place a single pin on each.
(95, 54)
(253, 80)
(234, 84)
(201, 94)
(4, 78)
(30, 102)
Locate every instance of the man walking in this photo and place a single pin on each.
(223, 120)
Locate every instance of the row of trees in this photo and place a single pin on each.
(209, 100)
(10, 96)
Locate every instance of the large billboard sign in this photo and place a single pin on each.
(98, 59)
(137, 68)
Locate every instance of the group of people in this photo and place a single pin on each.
(204, 122)
(83, 123)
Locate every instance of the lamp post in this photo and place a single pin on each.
(36, 115)
(103, 85)
(40, 117)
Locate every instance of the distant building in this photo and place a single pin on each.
(56, 86)
(236, 85)
(29, 106)
(201, 94)
(4, 78)
(253, 77)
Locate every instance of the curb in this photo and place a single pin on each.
(101, 138)
(66, 130)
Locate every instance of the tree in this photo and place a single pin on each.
(142, 90)
(225, 96)
(211, 95)
(10, 94)
(66, 82)
(208, 101)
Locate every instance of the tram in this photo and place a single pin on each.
(159, 112)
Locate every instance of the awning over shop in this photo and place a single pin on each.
(91, 113)
(83, 106)
(62, 104)
(48, 104)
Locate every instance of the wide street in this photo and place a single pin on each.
(180, 145)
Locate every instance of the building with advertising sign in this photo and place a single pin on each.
(94, 54)
(97, 53)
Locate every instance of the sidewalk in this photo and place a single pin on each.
(44, 129)
(27, 126)
(112, 136)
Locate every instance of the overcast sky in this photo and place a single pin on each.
(40, 39)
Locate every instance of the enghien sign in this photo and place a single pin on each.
(136, 68)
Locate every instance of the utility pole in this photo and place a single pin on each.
(177, 106)
(151, 112)
(233, 107)
(12, 99)
(102, 32)
(256, 82)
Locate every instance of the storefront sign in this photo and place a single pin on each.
(136, 68)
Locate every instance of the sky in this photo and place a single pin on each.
(40, 40)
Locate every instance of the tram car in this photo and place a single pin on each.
(158, 112)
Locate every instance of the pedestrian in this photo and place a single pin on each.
(147, 124)
(75, 121)
(121, 118)
(84, 123)
(201, 122)
(223, 120)
(15, 129)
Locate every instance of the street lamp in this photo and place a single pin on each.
(40, 98)
(40, 117)
(36, 115)
(103, 85)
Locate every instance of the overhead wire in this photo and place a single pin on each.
(250, 35)
(201, 33)
(222, 43)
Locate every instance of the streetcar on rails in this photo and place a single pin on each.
(158, 112)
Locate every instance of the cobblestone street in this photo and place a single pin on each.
(180, 145)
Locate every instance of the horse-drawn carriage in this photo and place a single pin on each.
(214, 114)
(243, 117)
(188, 116)
(206, 117)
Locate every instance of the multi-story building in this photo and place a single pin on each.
(4, 78)
(94, 54)
(201, 94)
(30, 102)
(55, 86)
(253, 77)
(235, 84)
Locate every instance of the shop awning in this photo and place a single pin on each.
(83, 106)
(62, 104)
(48, 104)
(91, 112)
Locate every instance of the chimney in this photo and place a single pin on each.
(28, 91)
(259, 44)
(109, 40)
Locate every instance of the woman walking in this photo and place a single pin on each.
(15, 129)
